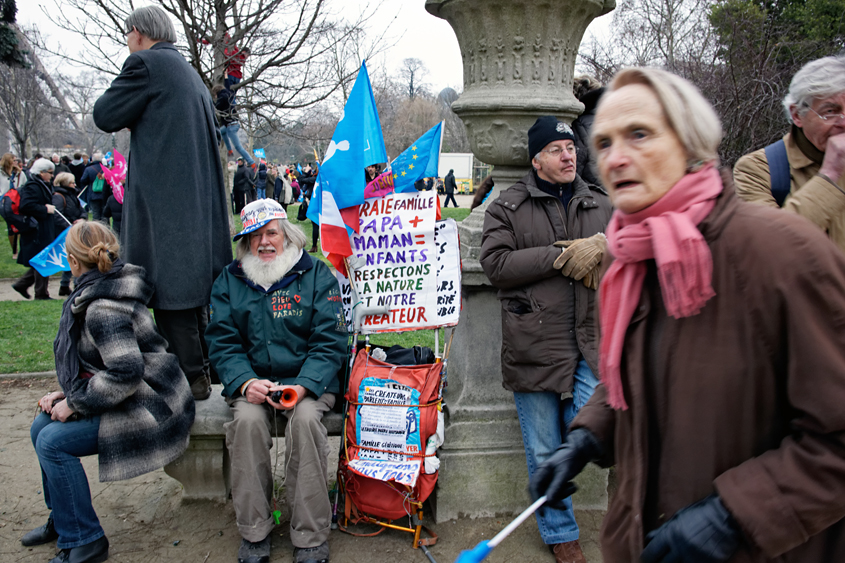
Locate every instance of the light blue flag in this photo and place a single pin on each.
(259, 153)
(420, 160)
(53, 258)
(357, 142)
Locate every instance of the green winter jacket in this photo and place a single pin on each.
(294, 333)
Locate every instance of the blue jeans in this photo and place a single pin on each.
(230, 137)
(59, 446)
(261, 193)
(544, 418)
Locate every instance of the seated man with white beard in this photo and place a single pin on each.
(277, 323)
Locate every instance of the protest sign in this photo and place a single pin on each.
(388, 435)
(407, 273)
(395, 261)
(448, 249)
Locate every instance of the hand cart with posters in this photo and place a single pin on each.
(393, 413)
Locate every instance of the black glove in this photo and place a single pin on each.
(554, 476)
(704, 532)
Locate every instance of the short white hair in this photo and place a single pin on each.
(97, 155)
(293, 235)
(42, 165)
(151, 22)
(689, 114)
(818, 79)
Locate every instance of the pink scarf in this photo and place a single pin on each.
(666, 231)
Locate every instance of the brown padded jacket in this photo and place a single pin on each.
(548, 320)
(744, 399)
(810, 196)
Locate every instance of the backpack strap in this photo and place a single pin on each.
(779, 171)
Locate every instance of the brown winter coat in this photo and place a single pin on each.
(745, 398)
(810, 196)
(548, 320)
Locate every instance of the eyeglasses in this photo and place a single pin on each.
(830, 116)
(557, 151)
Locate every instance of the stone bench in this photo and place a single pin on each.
(203, 470)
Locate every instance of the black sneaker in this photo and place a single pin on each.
(254, 552)
(319, 554)
(41, 534)
(64, 291)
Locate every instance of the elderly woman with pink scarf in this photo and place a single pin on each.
(722, 357)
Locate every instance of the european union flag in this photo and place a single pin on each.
(357, 143)
(418, 161)
(53, 258)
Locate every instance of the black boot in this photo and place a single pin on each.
(41, 534)
(95, 552)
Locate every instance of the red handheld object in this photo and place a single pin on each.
(286, 397)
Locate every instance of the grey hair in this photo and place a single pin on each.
(151, 22)
(689, 114)
(42, 165)
(98, 155)
(818, 79)
(293, 235)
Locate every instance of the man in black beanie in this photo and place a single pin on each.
(542, 246)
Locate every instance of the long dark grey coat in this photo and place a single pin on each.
(175, 221)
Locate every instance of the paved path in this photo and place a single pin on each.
(9, 294)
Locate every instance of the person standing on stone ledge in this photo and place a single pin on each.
(541, 247)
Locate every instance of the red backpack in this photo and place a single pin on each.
(9, 210)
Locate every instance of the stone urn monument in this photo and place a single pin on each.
(518, 61)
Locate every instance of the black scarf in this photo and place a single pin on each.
(807, 147)
(70, 329)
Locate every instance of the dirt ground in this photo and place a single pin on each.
(146, 521)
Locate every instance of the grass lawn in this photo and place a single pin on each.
(28, 328)
(8, 267)
(27, 331)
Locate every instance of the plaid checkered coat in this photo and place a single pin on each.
(137, 388)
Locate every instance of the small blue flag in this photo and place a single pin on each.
(259, 153)
(53, 258)
(357, 142)
(420, 160)
(298, 168)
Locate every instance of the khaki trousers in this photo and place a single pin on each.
(248, 439)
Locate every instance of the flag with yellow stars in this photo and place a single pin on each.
(420, 160)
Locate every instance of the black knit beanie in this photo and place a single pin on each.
(545, 130)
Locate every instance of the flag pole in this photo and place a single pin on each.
(62, 216)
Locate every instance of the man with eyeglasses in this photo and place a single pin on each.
(804, 172)
(542, 246)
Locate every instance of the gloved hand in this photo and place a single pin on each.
(591, 280)
(554, 476)
(581, 256)
(704, 532)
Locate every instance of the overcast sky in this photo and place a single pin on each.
(414, 31)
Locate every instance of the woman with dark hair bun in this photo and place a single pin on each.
(122, 395)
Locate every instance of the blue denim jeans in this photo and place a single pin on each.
(59, 446)
(230, 137)
(261, 193)
(544, 418)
